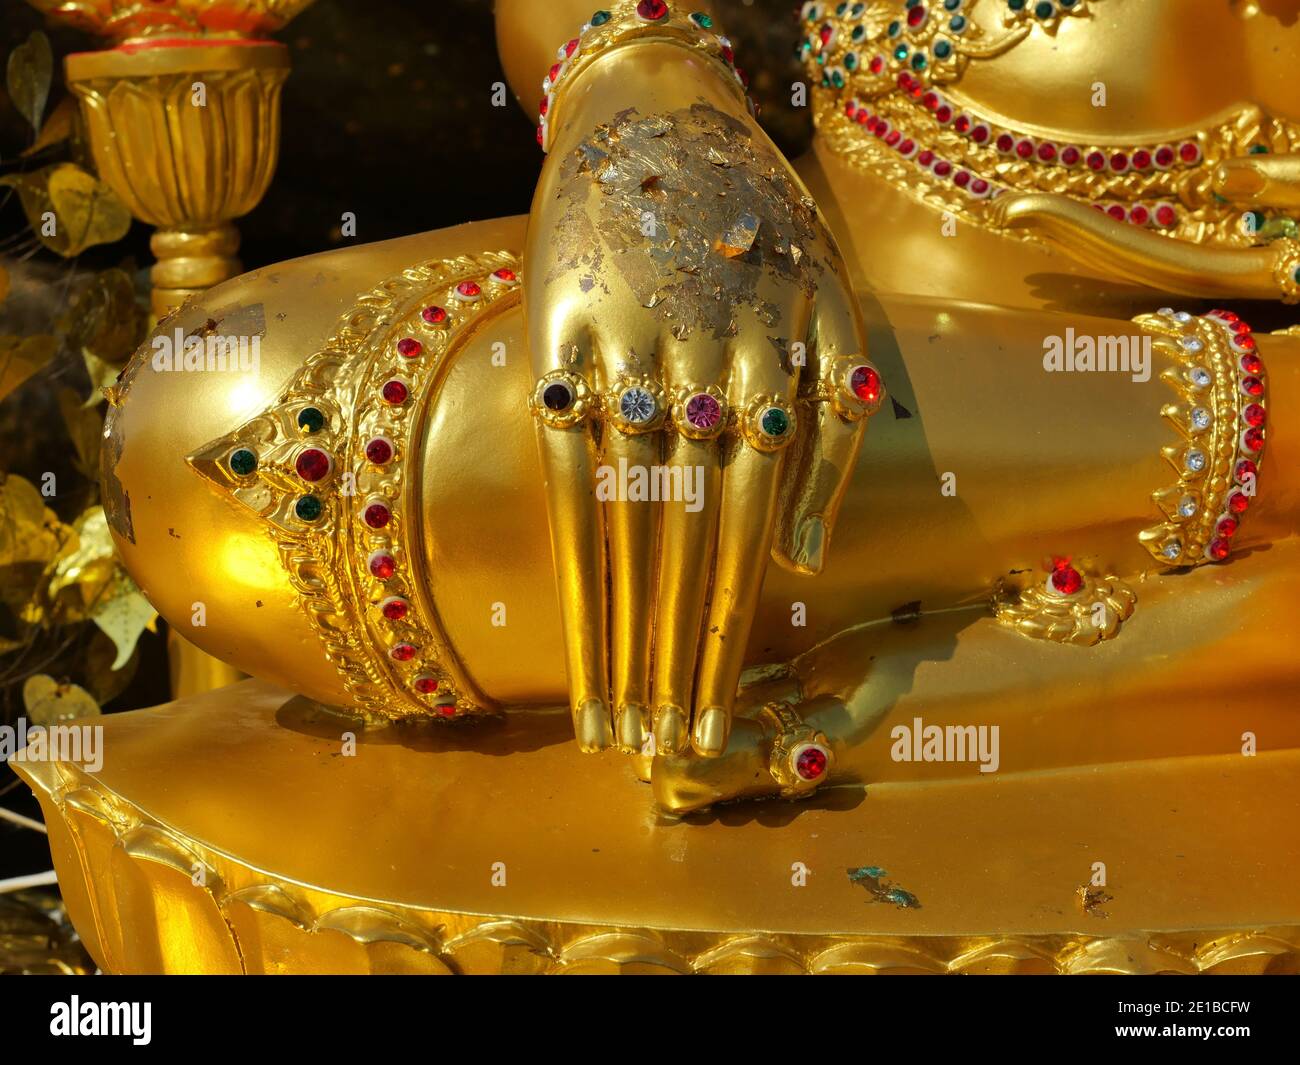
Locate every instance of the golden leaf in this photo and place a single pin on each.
(50, 703)
(106, 318)
(85, 211)
(87, 560)
(123, 616)
(58, 127)
(20, 357)
(86, 428)
(105, 681)
(31, 65)
(29, 530)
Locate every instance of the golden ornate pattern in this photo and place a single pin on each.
(1067, 606)
(327, 467)
(1221, 415)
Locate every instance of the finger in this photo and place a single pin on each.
(686, 554)
(1265, 180)
(844, 388)
(628, 480)
(577, 534)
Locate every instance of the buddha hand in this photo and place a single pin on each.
(700, 390)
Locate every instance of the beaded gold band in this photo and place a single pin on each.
(623, 23)
(801, 755)
(1221, 416)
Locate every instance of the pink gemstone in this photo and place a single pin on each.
(1244, 341)
(907, 147)
(409, 347)
(434, 315)
(379, 450)
(811, 763)
(447, 710)
(893, 138)
(402, 652)
(703, 411)
(571, 47)
(963, 123)
(395, 392)
(554, 72)
(916, 16)
(376, 515)
(931, 100)
(544, 106)
(877, 64)
(312, 464)
(979, 186)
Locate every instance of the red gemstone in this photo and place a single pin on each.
(943, 114)
(1244, 341)
(1245, 471)
(1119, 162)
(850, 107)
(1238, 502)
(931, 100)
(434, 315)
(394, 608)
(402, 652)
(863, 116)
(1252, 363)
(926, 157)
(1165, 215)
(541, 135)
(865, 383)
(979, 186)
(877, 64)
(426, 685)
(916, 16)
(963, 122)
(1065, 578)
(312, 464)
(961, 179)
(1240, 327)
(544, 106)
(811, 762)
(893, 138)
(1117, 212)
(1189, 152)
(447, 709)
(826, 33)
(1141, 159)
(1139, 215)
(943, 168)
(1226, 527)
(1005, 142)
(1229, 316)
(376, 515)
(382, 565)
(468, 289)
(379, 451)
(409, 347)
(907, 147)
(554, 72)
(395, 392)
(980, 134)
(1252, 386)
(1070, 155)
(505, 274)
(1253, 414)
(1164, 158)
(1096, 161)
(1047, 151)
(882, 127)
(1253, 439)
(571, 47)
(728, 54)
(1025, 148)
(1218, 549)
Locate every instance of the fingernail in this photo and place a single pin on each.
(633, 719)
(671, 735)
(592, 727)
(711, 730)
(1240, 181)
(810, 544)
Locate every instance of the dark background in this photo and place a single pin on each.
(387, 113)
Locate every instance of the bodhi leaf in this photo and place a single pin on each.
(48, 702)
(58, 127)
(104, 681)
(31, 65)
(29, 530)
(69, 209)
(20, 357)
(123, 616)
(86, 428)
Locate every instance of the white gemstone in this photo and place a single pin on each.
(1182, 316)
(1187, 507)
(1196, 461)
(1172, 549)
(1201, 418)
(1200, 377)
(1191, 344)
(1168, 312)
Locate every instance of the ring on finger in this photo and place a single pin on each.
(561, 399)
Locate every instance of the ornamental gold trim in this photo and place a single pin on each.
(1065, 605)
(330, 468)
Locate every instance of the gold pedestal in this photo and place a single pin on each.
(232, 832)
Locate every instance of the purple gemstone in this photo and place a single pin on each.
(703, 411)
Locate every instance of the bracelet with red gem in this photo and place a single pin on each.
(626, 21)
(801, 755)
(1221, 416)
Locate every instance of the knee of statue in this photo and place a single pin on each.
(313, 475)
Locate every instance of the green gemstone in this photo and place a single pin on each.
(1066, 3)
(1044, 9)
(705, 22)
(1253, 221)
(912, 3)
(310, 420)
(851, 61)
(942, 49)
(308, 508)
(895, 28)
(1016, 5)
(859, 32)
(957, 23)
(951, 5)
(900, 52)
(600, 18)
(1295, 274)
(826, 82)
(243, 461)
(858, 9)
(837, 79)
(1259, 149)
(918, 61)
(842, 8)
(775, 421)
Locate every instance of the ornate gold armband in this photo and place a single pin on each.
(1221, 416)
(622, 23)
(801, 755)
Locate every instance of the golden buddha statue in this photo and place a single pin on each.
(634, 455)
